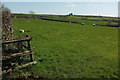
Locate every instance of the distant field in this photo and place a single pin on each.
(97, 18)
(79, 19)
(70, 50)
(88, 20)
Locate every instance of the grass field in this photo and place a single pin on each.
(79, 19)
(70, 50)
(90, 19)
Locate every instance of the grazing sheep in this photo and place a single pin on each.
(69, 22)
(21, 31)
(82, 24)
(93, 24)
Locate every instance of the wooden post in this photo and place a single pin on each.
(29, 47)
(31, 55)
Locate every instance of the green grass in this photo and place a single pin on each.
(74, 19)
(79, 19)
(96, 18)
(70, 50)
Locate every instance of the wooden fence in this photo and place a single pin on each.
(29, 52)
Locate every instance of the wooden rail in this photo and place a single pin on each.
(17, 55)
(19, 40)
(19, 67)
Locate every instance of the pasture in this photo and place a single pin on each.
(64, 50)
(89, 20)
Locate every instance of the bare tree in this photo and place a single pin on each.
(71, 14)
(31, 12)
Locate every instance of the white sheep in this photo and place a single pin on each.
(82, 23)
(94, 24)
(22, 31)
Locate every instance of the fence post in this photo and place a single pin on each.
(29, 47)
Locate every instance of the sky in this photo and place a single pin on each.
(63, 8)
(60, 0)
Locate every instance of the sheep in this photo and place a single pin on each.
(94, 24)
(21, 31)
(82, 24)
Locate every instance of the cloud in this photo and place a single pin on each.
(59, 0)
(89, 5)
(92, 5)
(70, 4)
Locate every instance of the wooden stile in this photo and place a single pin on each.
(24, 53)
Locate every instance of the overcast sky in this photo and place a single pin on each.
(63, 8)
(60, 0)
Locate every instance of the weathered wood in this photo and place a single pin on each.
(19, 67)
(29, 48)
(17, 55)
(29, 45)
(29, 52)
(19, 40)
(31, 55)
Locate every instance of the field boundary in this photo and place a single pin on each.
(40, 17)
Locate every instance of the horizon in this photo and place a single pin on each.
(67, 14)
